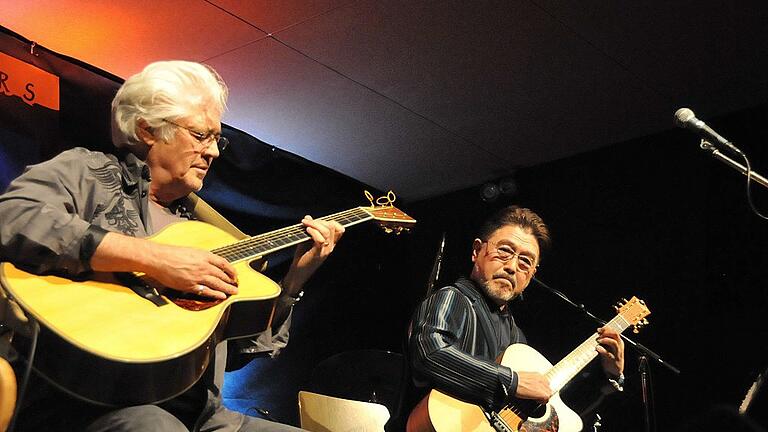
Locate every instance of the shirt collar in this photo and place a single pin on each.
(134, 170)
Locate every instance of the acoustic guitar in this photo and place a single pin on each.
(442, 413)
(120, 339)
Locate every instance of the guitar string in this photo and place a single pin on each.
(580, 356)
(585, 349)
(294, 230)
(584, 353)
(246, 247)
(277, 233)
(351, 216)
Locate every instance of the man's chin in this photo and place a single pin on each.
(194, 184)
(500, 292)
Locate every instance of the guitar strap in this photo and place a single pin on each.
(202, 211)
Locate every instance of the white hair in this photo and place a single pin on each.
(164, 90)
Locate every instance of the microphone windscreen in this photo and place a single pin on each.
(683, 116)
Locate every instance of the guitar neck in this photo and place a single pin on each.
(273, 241)
(567, 368)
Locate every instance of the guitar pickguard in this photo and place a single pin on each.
(548, 423)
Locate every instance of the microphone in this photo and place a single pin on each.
(435, 275)
(685, 118)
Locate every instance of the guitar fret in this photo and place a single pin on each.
(268, 242)
(561, 373)
(350, 218)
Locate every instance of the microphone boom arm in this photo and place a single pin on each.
(638, 346)
(717, 154)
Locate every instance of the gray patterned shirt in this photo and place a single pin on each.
(56, 213)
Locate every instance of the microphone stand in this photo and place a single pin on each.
(645, 383)
(717, 154)
(435, 274)
(645, 352)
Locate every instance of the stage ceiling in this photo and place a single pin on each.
(427, 97)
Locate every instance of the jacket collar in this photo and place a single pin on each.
(475, 293)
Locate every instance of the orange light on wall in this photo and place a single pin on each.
(92, 31)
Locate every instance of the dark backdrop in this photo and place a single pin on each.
(654, 217)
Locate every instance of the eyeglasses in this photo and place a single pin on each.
(205, 139)
(505, 253)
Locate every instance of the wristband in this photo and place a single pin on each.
(617, 383)
(291, 300)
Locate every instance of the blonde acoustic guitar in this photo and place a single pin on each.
(123, 340)
(442, 413)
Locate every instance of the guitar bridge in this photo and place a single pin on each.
(141, 288)
(495, 420)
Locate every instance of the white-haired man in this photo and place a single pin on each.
(88, 211)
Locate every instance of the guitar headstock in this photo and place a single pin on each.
(634, 311)
(389, 217)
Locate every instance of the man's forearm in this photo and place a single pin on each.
(121, 253)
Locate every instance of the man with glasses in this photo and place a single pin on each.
(459, 331)
(88, 211)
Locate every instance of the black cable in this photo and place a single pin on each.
(749, 184)
(27, 372)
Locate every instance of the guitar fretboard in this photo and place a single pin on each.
(264, 244)
(567, 368)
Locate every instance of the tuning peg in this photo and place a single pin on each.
(639, 326)
(645, 321)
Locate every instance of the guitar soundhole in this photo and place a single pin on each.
(528, 408)
(538, 411)
(190, 301)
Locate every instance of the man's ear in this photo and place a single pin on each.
(477, 244)
(145, 133)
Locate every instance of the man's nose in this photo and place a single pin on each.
(511, 265)
(212, 150)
